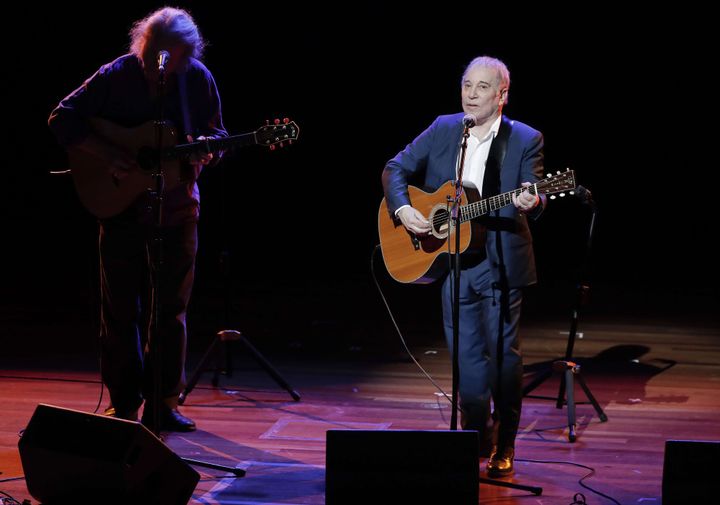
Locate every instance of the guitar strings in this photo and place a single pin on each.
(476, 209)
(481, 207)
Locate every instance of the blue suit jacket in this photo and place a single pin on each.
(435, 151)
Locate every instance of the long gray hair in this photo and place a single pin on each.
(166, 26)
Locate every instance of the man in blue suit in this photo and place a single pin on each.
(502, 155)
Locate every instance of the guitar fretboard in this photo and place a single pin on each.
(482, 207)
(266, 136)
(214, 144)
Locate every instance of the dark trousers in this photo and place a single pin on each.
(486, 338)
(124, 280)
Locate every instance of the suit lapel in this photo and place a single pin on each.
(498, 149)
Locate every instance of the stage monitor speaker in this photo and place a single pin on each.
(74, 457)
(690, 470)
(396, 466)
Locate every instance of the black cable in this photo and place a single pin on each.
(580, 481)
(102, 384)
(13, 501)
(397, 329)
(49, 379)
(10, 479)
(99, 286)
(100, 398)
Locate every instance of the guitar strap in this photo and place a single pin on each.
(182, 87)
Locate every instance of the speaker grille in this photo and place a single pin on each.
(396, 466)
(70, 456)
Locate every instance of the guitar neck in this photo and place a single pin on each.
(269, 135)
(213, 144)
(486, 205)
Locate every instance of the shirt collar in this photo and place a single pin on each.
(492, 132)
(494, 128)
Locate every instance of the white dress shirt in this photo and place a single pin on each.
(476, 157)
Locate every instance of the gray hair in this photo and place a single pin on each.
(503, 73)
(167, 25)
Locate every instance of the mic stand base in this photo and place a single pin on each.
(537, 491)
(224, 337)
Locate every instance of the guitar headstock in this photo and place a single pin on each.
(278, 133)
(560, 182)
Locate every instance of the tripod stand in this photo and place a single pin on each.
(224, 338)
(569, 369)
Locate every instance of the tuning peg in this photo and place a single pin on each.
(290, 142)
(286, 120)
(272, 147)
(548, 175)
(553, 197)
(277, 121)
(558, 172)
(571, 192)
(267, 122)
(562, 194)
(280, 144)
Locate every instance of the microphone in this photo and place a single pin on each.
(469, 120)
(162, 58)
(584, 195)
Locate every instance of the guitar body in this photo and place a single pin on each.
(101, 193)
(422, 260)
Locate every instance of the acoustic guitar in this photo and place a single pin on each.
(105, 196)
(420, 259)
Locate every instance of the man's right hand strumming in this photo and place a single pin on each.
(120, 166)
(119, 162)
(414, 221)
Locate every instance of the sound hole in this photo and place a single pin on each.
(147, 158)
(440, 222)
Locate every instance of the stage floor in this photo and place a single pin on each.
(655, 381)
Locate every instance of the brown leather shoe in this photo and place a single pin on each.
(500, 463)
(113, 412)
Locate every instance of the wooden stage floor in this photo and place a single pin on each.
(655, 382)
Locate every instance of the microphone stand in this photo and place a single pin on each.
(456, 217)
(155, 254)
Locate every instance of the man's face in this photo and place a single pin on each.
(481, 93)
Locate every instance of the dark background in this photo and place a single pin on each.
(622, 98)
